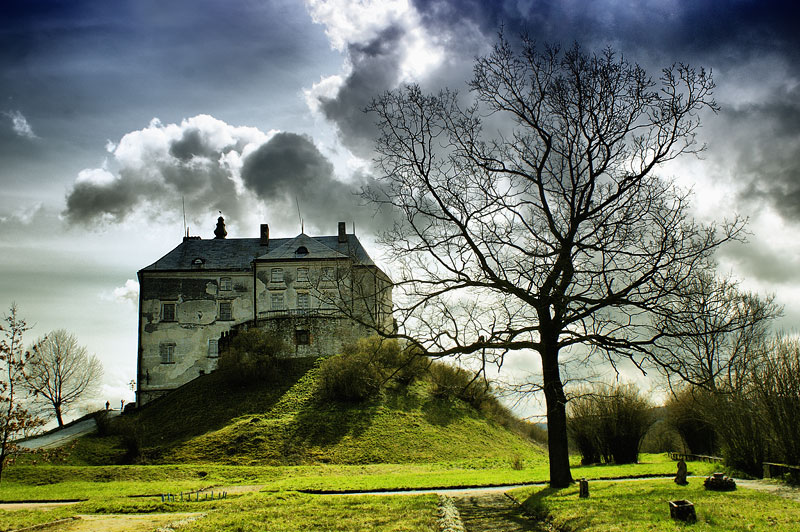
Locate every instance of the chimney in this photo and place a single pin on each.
(265, 234)
(342, 233)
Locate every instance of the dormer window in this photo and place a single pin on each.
(301, 252)
(198, 262)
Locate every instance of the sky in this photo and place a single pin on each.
(116, 118)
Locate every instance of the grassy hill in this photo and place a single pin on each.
(283, 419)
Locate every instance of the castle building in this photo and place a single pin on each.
(315, 293)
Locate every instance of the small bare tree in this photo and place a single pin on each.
(713, 333)
(60, 372)
(15, 420)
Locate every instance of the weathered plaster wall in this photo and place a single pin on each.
(327, 335)
(197, 297)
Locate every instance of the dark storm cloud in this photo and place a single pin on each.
(285, 165)
(199, 162)
(111, 201)
(658, 28)
(375, 69)
(190, 145)
(755, 260)
(289, 168)
(84, 70)
(763, 143)
(165, 167)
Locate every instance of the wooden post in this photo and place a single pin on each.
(583, 490)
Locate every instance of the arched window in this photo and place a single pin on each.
(301, 252)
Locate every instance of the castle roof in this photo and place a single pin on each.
(237, 254)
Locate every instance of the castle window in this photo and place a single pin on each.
(225, 311)
(328, 298)
(224, 283)
(302, 338)
(327, 273)
(303, 301)
(276, 300)
(301, 252)
(167, 352)
(168, 312)
(302, 275)
(213, 348)
(276, 275)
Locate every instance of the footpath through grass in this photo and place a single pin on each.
(642, 505)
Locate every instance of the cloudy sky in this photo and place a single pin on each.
(114, 115)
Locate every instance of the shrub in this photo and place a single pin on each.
(687, 414)
(453, 382)
(349, 377)
(776, 389)
(609, 422)
(250, 355)
(743, 441)
(363, 367)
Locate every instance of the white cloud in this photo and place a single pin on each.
(325, 89)
(347, 22)
(20, 124)
(197, 161)
(128, 293)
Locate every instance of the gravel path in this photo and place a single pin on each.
(493, 512)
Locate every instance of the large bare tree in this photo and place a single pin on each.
(60, 372)
(531, 216)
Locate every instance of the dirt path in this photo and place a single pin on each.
(126, 523)
(58, 437)
(493, 512)
(44, 506)
(781, 490)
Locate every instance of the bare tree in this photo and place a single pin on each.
(60, 372)
(554, 232)
(15, 420)
(714, 333)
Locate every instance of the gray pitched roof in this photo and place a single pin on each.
(314, 249)
(237, 254)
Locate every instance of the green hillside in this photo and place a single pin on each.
(282, 419)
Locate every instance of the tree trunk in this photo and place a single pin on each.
(58, 415)
(556, 400)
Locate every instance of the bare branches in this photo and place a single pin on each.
(61, 372)
(551, 229)
(15, 419)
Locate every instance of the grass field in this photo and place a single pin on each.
(110, 490)
(46, 482)
(642, 505)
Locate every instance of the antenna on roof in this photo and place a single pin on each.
(183, 202)
(297, 202)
